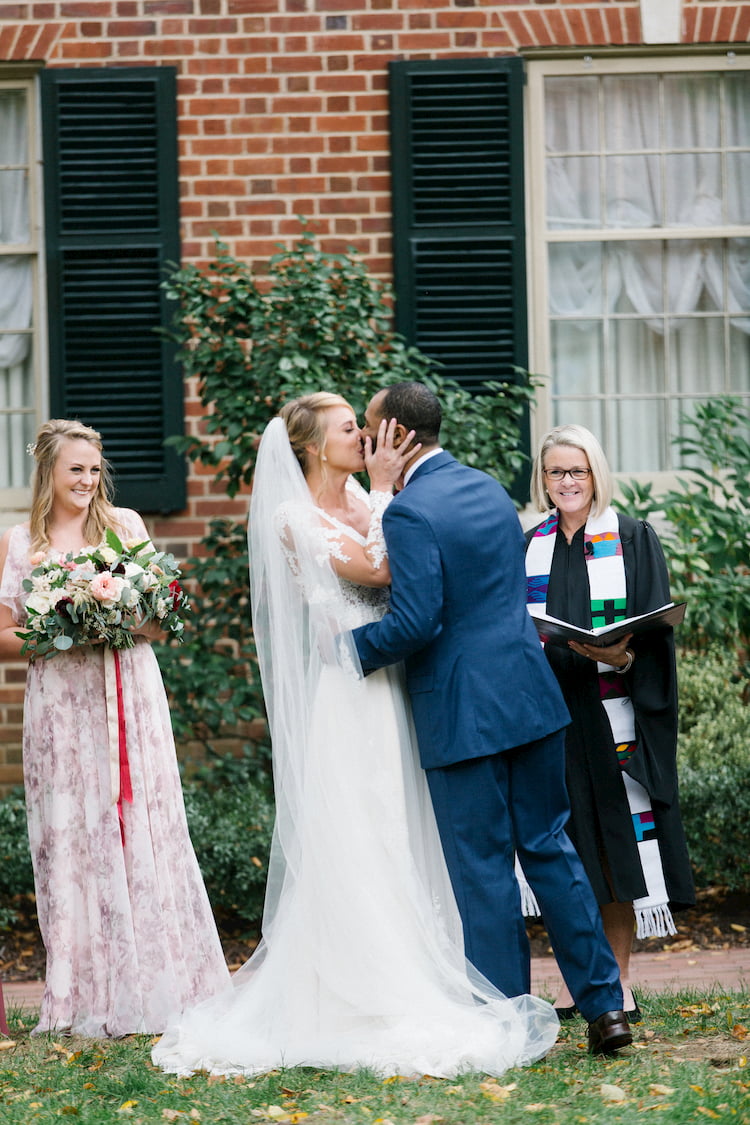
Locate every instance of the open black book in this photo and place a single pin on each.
(559, 632)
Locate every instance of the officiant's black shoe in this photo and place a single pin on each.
(566, 1013)
(608, 1033)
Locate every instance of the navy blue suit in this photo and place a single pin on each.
(490, 722)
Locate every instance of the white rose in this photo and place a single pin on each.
(130, 597)
(40, 601)
(108, 555)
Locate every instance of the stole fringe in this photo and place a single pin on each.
(653, 921)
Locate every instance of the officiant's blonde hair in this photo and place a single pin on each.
(579, 438)
(46, 450)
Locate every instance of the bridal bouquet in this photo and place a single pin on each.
(100, 594)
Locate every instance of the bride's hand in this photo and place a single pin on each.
(386, 463)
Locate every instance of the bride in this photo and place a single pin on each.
(361, 963)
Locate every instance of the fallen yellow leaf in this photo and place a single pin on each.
(655, 1088)
(706, 1112)
(737, 927)
(612, 1093)
(494, 1091)
(6, 1044)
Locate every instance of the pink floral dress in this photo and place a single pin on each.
(128, 928)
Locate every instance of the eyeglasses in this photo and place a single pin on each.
(561, 474)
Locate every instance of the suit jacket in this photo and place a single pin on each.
(476, 672)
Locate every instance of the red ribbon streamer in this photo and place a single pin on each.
(126, 788)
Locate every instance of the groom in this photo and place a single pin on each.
(489, 715)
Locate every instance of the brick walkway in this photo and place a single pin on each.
(653, 972)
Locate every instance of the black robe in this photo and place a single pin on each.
(600, 824)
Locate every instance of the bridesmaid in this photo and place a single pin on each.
(122, 908)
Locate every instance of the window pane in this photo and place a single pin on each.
(631, 118)
(571, 115)
(573, 196)
(738, 196)
(682, 411)
(738, 273)
(737, 89)
(739, 355)
(640, 442)
(14, 208)
(577, 359)
(16, 393)
(695, 275)
(634, 277)
(575, 279)
(15, 293)
(636, 358)
(693, 190)
(587, 412)
(633, 189)
(697, 362)
(691, 109)
(13, 127)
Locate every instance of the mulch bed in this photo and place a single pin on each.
(720, 920)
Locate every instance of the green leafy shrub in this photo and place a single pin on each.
(231, 818)
(714, 768)
(16, 874)
(212, 677)
(707, 532)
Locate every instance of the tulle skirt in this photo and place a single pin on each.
(362, 962)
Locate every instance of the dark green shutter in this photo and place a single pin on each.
(111, 212)
(458, 207)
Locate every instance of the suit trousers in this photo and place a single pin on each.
(487, 807)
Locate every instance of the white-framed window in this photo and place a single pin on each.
(21, 350)
(638, 244)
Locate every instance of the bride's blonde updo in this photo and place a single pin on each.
(306, 423)
(46, 450)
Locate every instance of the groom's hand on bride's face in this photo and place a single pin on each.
(387, 455)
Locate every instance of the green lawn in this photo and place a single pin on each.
(688, 1064)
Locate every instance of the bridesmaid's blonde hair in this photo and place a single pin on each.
(46, 450)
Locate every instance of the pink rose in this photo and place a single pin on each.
(106, 588)
(37, 558)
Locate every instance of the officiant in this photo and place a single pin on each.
(588, 565)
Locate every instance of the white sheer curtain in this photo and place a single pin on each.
(16, 305)
(651, 320)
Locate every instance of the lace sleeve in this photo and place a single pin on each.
(375, 548)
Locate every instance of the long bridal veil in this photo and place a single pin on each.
(361, 962)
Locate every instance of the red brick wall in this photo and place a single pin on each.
(283, 112)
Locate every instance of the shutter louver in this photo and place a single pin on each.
(458, 200)
(112, 215)
(461, 149)
(464, 306)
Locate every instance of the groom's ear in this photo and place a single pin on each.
(399, 434)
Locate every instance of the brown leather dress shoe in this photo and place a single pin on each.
(608, 1033)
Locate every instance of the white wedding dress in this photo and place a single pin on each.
(361, 963)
